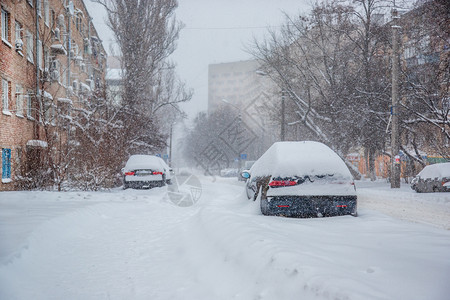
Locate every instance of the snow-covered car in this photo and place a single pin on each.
(229, 172)
(146, 171)
(247, 165)
(302, 179)
(433, 178)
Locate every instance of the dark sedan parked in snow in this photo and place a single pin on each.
(146, 171)
(301, 179)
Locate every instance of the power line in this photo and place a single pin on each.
(230, 28)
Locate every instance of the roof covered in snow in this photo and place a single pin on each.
(436, 171)
(140, 161)
(299, 159)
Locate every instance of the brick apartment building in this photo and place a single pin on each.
(44, 73)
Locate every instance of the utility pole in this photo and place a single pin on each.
(395, 158)
(282, 134)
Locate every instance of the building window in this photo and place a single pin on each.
(78, 22)
(18, 161)
(48, 108)
(46, 59)
(5, 26)
(30, 47)
(46, 12)
(52, 18)
(18, 38)
(39, 7)
(19, 100)
(18, 31)
(6, 165)
(5, 96)
(40, 55)
(29, 105)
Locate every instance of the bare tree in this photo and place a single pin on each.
(146, 32)
(426, 80)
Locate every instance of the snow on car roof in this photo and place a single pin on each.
(299, 159)
(140, 161)
(436, 170)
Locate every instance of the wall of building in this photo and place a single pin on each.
(24, 124)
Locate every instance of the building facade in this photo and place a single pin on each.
(51, 61)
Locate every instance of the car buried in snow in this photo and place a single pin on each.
(146, 171)
(301, 179)
(433, 178)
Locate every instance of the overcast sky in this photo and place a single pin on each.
(215, 31)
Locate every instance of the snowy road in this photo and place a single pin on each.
(139, 245)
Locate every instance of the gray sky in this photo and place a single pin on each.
(216, 31)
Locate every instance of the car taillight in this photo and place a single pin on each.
(129, 173)
(157, 173)
(279, 183)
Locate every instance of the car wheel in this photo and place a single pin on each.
(264, 207)
(125, 186)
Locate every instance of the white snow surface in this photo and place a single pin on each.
(300, 158)
(435, 171)
(136, 244)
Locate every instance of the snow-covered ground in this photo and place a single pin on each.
(137, 244)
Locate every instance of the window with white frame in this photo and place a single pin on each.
(18, 160)
(19, 100)
(40, 55)
(29, 105)
(55, 69)
(46, 12)
(18, 31)
(30, 47)
(39, 7)
(5, 25)
(78, 22)
(5, 95)
(52, 18)
(53, 116)
(18, 38)
(48, 105)
(46, 58)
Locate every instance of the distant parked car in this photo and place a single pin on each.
(302, 179)
(146, 171)
(247, 165)
(433, 178)
(230, 172)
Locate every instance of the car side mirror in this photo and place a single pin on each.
(245, 174)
